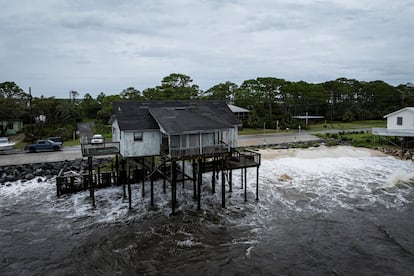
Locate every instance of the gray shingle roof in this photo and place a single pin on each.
(174, 116)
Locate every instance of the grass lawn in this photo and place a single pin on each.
(349, 125)
(317, 127)
(253, 131)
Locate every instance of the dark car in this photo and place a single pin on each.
(56, 139)
(43, 145)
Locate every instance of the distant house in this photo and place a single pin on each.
(177, 129)
(240, 112)
(399, 123)
(10, 127)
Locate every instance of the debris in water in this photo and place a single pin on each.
(284, 177)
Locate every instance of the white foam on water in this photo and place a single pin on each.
(314, 184)
(321, 184)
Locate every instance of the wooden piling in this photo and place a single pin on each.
(183, 167)
(213, 178)
(194, 180)
(152, 181)
(117, 169)
(245, 184)
(164, 170)
(129, 186)
(230, 180)
(257, 183)
(123, 174)
(223, 186)
(242, 180)
(173, 185)
(199, 180)
(91, 186)
(143, 182)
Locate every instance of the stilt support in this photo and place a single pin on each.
(129, 186)
(173, 185)
(257, 183)
(199, 180)
(152, 181)
(223, 186)
(245, 184)
(91, 184)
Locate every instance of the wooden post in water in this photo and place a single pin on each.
(173, 185)
(143, 182)
(99, 176)
(152, 180)
(117, 169)
(123, 175)
(194, 180)
(129, 186)
(257, 183)
(223, 186)
(241, 176)
(213, 178)
(231, 180)
(245, 184)
(91, 186)
(199, 180)
(164, 170)
(183, 173)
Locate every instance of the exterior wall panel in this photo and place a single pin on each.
(149, 146)
(407, 121)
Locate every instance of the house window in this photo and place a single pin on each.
(175, 141)
(194, 140)
(138, 136)
(399, 121)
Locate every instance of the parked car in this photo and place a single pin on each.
(56, 139)
(97, 139)
(43, 145)
(5, 144)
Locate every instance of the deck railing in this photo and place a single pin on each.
(194, 151)
(104, 148)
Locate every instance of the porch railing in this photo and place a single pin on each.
(194, 151)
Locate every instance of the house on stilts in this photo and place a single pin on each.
(160, 139)
(400, 128)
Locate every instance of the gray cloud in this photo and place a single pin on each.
(95, 46)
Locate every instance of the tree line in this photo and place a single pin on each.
(269, 100)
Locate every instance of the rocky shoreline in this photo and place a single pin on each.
(398, 153)
(49, 170)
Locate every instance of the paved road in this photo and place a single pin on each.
(18, 157)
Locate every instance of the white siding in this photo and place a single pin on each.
(230, 136)
(149, 146)
(115, 131)
(407, 121)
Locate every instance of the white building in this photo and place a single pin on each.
(174, 128)
(399, 123)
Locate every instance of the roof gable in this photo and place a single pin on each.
(411, 109)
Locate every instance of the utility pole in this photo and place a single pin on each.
(31, 114)
(73, 95)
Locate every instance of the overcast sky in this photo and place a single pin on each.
(56, 46)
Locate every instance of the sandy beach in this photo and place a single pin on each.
(319, 152)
